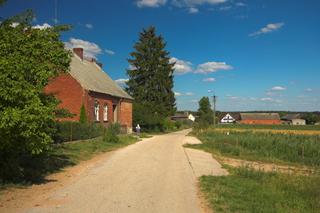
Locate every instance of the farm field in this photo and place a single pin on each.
(279, 129)
(253, 189)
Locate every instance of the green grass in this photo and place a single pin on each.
(276, 148)
(33, 169)
(272, 127)
(84, 150)
(245, 190)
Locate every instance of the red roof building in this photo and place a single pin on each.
(260, 118)
(88, 85)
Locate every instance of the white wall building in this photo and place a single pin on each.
(227, 119)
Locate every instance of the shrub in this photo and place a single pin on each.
(111, 134)
(178, 124)
(168, 125)
(70, 131)
(83, 115)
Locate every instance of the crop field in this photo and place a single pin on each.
(278, 129)
(274, 127)
(249, 189)
(262, 146)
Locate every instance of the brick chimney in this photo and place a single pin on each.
(79, 52)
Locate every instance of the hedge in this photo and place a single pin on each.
(70, 131)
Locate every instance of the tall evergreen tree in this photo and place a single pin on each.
(151, 75)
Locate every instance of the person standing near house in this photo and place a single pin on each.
(138, 128)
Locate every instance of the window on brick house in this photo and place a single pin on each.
(105, 113)
(96, 110)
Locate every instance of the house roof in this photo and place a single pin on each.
(259, 116)
(91, 77)
(234, 115)
(291, 116)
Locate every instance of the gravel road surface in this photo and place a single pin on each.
(154, 175)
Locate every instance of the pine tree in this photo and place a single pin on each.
(151, 75)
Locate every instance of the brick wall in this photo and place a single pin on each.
(69, 92)
(72, 96)
(123, 110)
(267, 122)
(126, 114)
(102, 100)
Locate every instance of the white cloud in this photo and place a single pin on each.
(190, 3)
(121, 82)
(183, 94)
(151, 3)
(225, 8)
(308, 90)
(177, 94)
(42, 27)
(194, 101)
(210, 67)
(278, 88)
(193, 10)
(241, 4)
(181, 66)
(209, 80)
(91, 49)
(270, 100)
(14, 24)
(189, 94)
(109, 52)
(268, 29)
(89, 26)
(266, 99)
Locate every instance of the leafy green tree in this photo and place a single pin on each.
(311, 118)
(151, 76)
(2, 2)
(83, 115)
(205, 112)
(29, 57)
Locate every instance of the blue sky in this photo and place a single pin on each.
(254, 54)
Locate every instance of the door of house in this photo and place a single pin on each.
(115, 113)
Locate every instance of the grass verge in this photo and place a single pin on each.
(246, 190)
(35, 168)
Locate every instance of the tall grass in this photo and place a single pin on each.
(298, 149)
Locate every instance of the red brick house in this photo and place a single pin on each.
(87, 84)
(260, 118)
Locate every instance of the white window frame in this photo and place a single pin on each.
(105, 112)
(96, 111)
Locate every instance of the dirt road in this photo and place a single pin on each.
(154, 175)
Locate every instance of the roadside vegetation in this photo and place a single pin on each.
(247, 190)
(250, 189)
(33, 169)
(303, 150)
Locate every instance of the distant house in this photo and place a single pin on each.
(293, 119)
(183, 117)
(227, 119)
(88, 85)
(259, 118)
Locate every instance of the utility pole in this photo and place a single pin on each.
(214, 97)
